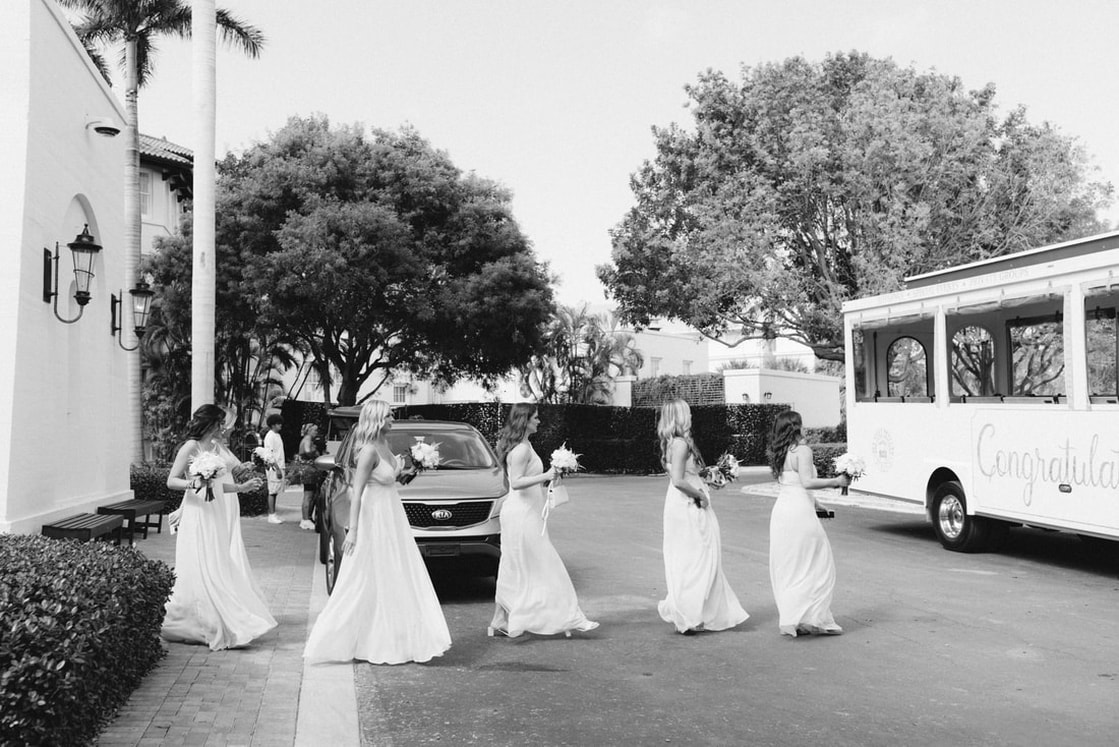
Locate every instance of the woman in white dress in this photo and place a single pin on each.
(801, 567)
(534, 592)
(384, 609)
(215, 600)
(699, 597)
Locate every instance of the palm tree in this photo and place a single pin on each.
(137, 24)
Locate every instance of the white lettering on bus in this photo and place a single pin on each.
(1061, 465)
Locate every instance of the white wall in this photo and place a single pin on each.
(672, 349)
(815, 397)
(62, 387)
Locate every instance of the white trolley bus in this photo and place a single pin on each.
(988, 393)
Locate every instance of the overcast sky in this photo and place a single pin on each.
(555, 99)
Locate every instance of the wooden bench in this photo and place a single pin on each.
(85, 527)
(132, 510)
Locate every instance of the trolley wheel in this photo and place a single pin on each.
(955, 528)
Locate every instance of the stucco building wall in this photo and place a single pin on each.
(62, 386)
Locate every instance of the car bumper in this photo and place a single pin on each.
(477, 547)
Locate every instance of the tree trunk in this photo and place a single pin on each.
(134, 432)
(204, 277)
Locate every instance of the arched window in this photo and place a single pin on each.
(908, 368)
(973, 363)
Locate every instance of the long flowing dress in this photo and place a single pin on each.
(801, 567)
(383, 609)
(699, 596)
(534, 591)
(215, 599)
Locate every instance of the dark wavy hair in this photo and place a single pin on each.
(513, 432)
(786, 434)
(203, 420)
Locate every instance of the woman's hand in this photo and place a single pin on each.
(844, 480)
(703, 501)
(351, 540)
(550, 475)
(251, 485)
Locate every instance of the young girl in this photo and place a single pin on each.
(699, 597)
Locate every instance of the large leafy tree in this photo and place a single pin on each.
(135, 26)
(377, 255)
(250, 356)
(807, 184)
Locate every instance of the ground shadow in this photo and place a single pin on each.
(1060, 549)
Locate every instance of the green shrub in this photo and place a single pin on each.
(80, 630)
(824, 456)
(621, 439)
(149, 481)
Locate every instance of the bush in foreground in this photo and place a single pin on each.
(80, 630)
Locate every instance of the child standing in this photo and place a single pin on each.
(275, 472)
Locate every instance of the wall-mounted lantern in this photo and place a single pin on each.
(84, 249)
(141, 309)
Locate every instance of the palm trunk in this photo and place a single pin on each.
(204, 278)
(134, 433)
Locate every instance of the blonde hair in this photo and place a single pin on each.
(676, 422)
(307, 428)
(374, 413)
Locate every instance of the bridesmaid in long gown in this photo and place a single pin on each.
(215, 600)
(801, 567)
(534, 592)
(383, 609)
(699, 597)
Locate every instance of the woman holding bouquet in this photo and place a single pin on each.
(801, 568)
(534, 591)
(215, 600)
(699, 597)
(383, 609)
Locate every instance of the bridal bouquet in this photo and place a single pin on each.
(265, 457)
(204, 467)
(723, 471)
(850, 465)
(565, 461)
(424, 455)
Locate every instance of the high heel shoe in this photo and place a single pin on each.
(493, 632)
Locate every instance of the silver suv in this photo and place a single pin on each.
(453, 510)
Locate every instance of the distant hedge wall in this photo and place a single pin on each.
(621, 439)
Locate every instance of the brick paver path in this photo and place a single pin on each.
(246, 696)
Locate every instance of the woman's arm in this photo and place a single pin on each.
(367, 460)
(677, 464)
(518, 460)
(176, 478)
(806, 470)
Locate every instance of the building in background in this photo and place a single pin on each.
(166, 188)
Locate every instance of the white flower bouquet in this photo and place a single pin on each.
(203, 468)
(722, 472)
(565, 461)
(424, 455)
(265, 457)
(850, 465)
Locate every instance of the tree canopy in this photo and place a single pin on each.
(376, 254)
(808, 184)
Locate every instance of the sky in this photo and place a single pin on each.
(556, 100)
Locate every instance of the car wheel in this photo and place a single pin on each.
(955, 528)
(331, 561)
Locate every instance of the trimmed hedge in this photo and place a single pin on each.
(81, 628)
(621, 439)
(149, 482)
